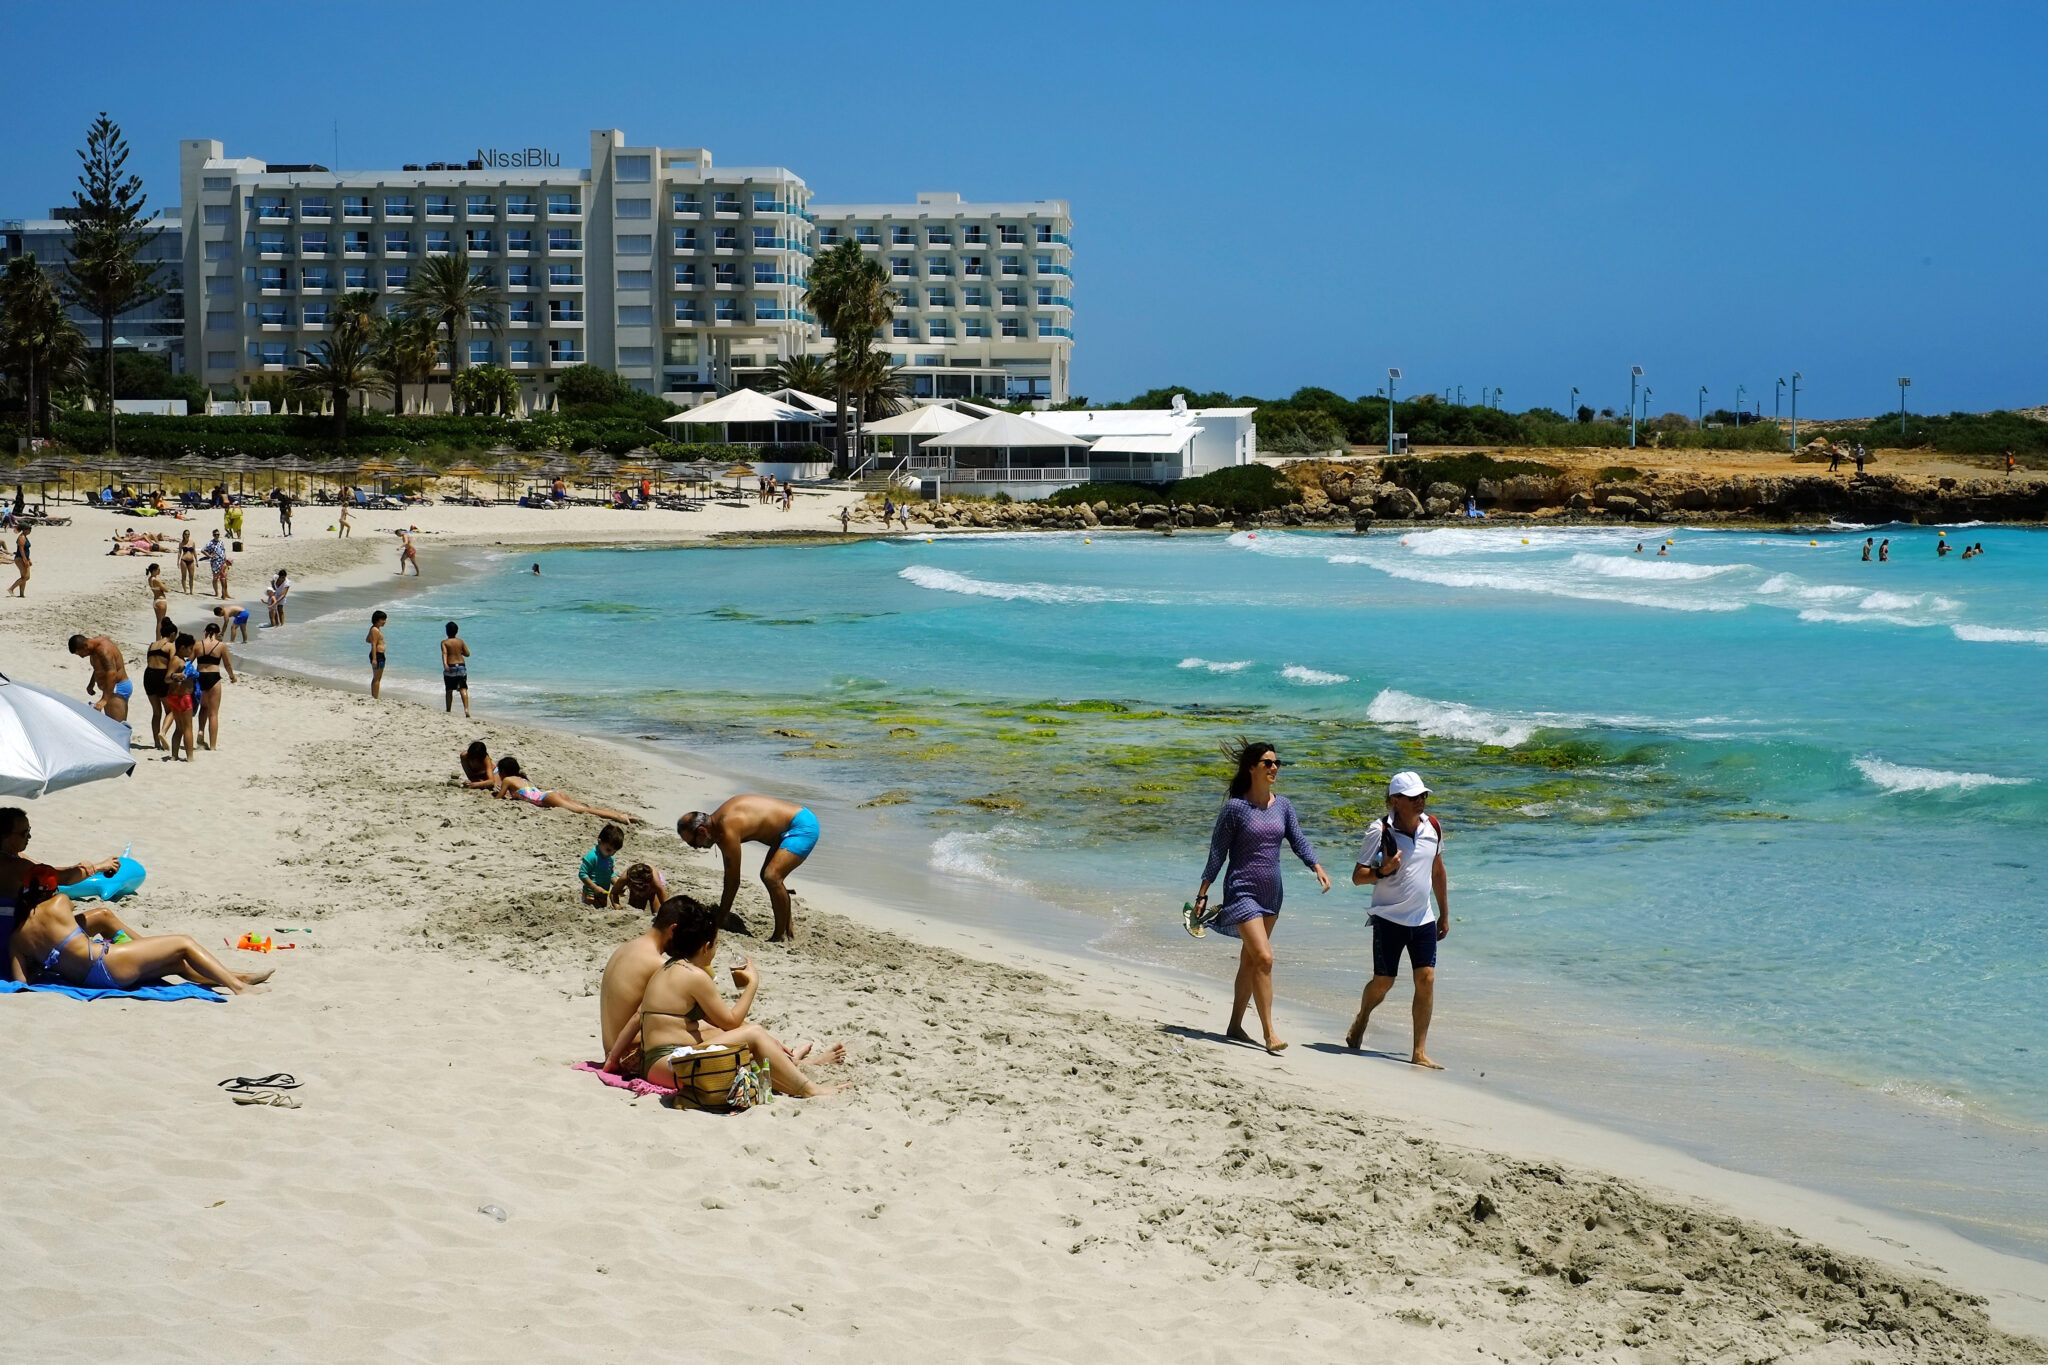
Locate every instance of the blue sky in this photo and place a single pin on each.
(1265, 196)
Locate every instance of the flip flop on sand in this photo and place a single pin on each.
(276, 1080)
(276, 1099)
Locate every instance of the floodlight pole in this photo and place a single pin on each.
(1571, 411)
(1796, 377)
(1778, 402)
(1703, 407)
(1904, 384)
(1738, 407)
(1392, 375)
(1635, 373)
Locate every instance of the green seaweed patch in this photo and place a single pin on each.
(1141, 801)
(1048, 720)
(999, 715)
(793, 734)
(1754, 815)
(728, 614)
(995, 802)
(895, 796)
(902, 732)
(1106, 708)
(613, 609)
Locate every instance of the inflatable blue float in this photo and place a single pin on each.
(108, 886)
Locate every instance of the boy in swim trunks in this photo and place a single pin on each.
(595, 873)
(375, 640)
(454, 671)
(109, 675)
(234, 621)
(790, 831)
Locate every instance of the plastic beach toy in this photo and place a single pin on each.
(249, 943)
(107, 886)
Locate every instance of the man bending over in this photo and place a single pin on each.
(790, 831)
(109, 675)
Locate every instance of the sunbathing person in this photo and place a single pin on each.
(51, 943)
(138, 543)
(14, 866)
(512, 785)
(683, 1009)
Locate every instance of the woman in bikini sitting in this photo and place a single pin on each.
(51, 943)
(513, 786)
(682, 1008)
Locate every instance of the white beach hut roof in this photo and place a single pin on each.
(742, 405)
(1005, 429)
(925, 421)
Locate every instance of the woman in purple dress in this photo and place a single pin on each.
(1250, 829)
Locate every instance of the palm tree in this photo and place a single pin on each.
(405, 345)
(877, 389)
(38, 340)
(344, 363)
(852, 298)
(808, 373)
(456, 296)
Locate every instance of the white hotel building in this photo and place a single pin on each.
(683, 277)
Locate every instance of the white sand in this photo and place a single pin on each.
(1034, 1164)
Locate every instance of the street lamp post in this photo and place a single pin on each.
(1904, 384)
(1796, 377)
(1571, 412)
(1635, 373)
(1496, 397)
(1703, 407)
(1778, 402)
(1646, 403)
(1461, 395)
(1738, 407)
(1392, 375)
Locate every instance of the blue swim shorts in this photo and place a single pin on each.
(1389, 939)
(124, 689)
(802, 834)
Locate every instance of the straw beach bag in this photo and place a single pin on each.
(722, 1079)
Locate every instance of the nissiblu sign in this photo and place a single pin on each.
(519, 159)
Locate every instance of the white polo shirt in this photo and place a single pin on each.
(1404, 897)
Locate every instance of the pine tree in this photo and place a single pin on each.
(106, 274)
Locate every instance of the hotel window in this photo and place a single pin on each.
(1011, 265)
(940, 327)
(217, 182)
(727, 239)
(902, 235)
(725, 310)
(828, 236)
(220, 251)
(683, 201)
(271, 277)
(1045, 232)
(564, 239)
(220, 360)
(315, 277)
(900, 267)
(565, 310)
(636, 208)
(313, 244)
(938, 236)
(397, 277)
(636, 279)
(397, 206)
(686, 275)
(568, 352)
(479, 239)
(636, 244)
(1045, 327)
(564, 204)
(904, 330)
(1012, 234)
(636, 356)
(220, 284)
(906, 298)
(564, 274)
(765, 273)
(938, 298)
(314, 206)
(725, 201)
(519, 205)
(270, 243)
(271, 206)
(397, 244)
(1011, 296)
(220, 321)
(481, 352)
(519, 239)
(355, 243)
(974, 234)
(438, 241)
(216, 215)
(519, 311)
(636, 169)
(1043, 264)
(686, 310)
(976, 327)
(440, 206)
(635, 315)
(937, 265)
(519, 277)
(764, 239)
(522, 352)
(314, 315)
(683, 239)
(355, 277)
(764, 201)
(355, 206)
(479, 316)
(275, 353)
(1045, 296)
(274, 315)
(1013, 327)
(974, 296)
(479, 205)
(867, 236)
(725, 272)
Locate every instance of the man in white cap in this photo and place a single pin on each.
(1402, 860)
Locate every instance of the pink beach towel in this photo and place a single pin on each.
(618, 1082)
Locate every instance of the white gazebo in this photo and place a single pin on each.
(746, 417)
(1008, 453)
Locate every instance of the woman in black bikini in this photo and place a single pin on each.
(156, 667)
(22, 564)
(188, 564)
(212, 657)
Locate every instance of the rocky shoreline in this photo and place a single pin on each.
(1359, 494)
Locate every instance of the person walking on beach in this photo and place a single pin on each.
(342, 528)
(790, 831)
(22, 564)
(156, 669)
(845, 515)
(109, 675)
(217, 559)
(284, 513)
(210, 658)
(1402, 860)
(188, 563)
(454, 671)
(159, 592)
(1249, 830)
(407, 553)
(375, 640)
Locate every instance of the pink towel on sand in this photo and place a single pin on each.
(618, 1082)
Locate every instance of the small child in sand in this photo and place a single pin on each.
(595, 872)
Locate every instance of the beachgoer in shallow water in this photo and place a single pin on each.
(234, 621)
(109, 674)
(407, 553)
(211, 658)
(1867, 540)
(1663, 550)
(681, 1008)
(454, 671)
(274, 595)
(156, 669)
(643, 887)
(1884, 550)
(1254, 822)
(375, 640)
(790, 831)
(514, 785)
(52, 943)
(1639, 547)
(594, 875)
(1402, 859)
(1941, 548)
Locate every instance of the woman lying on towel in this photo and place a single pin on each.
(51, 943)
(682, 1009)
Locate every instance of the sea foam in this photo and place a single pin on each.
(1311, 677)
(1230, 666)
(945, 580)
(1448, 719)
(1897, 777)
(2000, 635)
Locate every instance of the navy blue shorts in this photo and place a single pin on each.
(1389, 939)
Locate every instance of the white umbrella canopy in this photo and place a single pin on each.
(925, 421)
(1005, 429)
(741, 405)
(49, 742)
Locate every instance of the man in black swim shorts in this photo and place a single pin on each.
(1402, 859)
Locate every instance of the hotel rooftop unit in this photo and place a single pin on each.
(680, 276)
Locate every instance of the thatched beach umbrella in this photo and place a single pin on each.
(464, 471)
(738, 471)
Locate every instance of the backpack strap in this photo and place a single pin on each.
(1438, 826)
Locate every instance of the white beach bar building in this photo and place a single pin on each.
(1031, 455)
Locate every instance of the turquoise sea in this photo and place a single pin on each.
(1749, 841)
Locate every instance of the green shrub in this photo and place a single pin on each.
(1465, 471)
(1239, 490)
(1618, 473)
